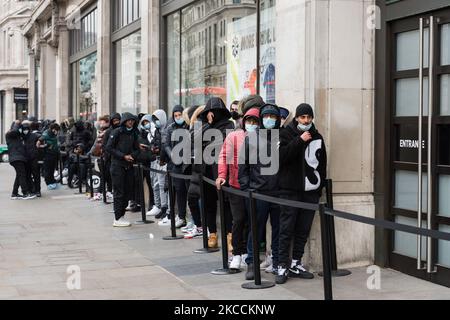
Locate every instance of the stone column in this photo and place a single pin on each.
(62, 75)
(150, 56)
(104, 54)
(48, 82)
(10, 108)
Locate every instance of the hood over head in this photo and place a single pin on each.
(128, 116)
(147, 117)
(270, 109)
(160, 115)
(217, 106)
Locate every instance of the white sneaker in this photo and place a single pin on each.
(266, 263)
(180, 223)
(109, 196)
(121, 223)
(236, 263)
(195, 233)
(164, 222)
(243, 263)
(154, 212)
(189, 227)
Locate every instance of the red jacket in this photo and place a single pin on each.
(229, 158)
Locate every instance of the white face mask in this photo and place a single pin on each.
(304, 128)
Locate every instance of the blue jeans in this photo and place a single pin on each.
(263, 211)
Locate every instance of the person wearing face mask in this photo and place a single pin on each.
(180, 185)
(303, 158)
(253, 177)
(235, 115)
(32, 165)
(49, 142)
(229, 172)
(159, 119)
(146, 157)
(114, 123)
(123, 146)
(18, 160)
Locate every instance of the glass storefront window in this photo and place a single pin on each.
(268, 51)
(218, 52)
(128, 74)
(84, 88)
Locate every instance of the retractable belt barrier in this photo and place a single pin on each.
(326, 214)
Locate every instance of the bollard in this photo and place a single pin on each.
(258, 284)
(172, 212)
(332, 234)
(141, 196)
(326, 253)
(225, 268)
(206, 248)
(60, 167)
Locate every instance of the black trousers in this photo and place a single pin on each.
(107, 176)
(34, 175)
(295, 224)
(21, 178)
(181, 189)
(240, 218)
(123, 184)
(50, 163)
(80, 171)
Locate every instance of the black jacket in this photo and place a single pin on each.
(107, 135)
(303, 166)
(16, 146)
(123, 142)
(167, 142)
(30, 141)
(79, 135)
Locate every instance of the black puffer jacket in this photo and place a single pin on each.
(30, 140)
(123, 142)
(79, 135)
(303, 165)
(252, 176)
(16, 146)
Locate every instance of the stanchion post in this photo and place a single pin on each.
(223, 230)
(326, 254)
(206, 248)
(332, 235)
(258, 284)
(173, 228)
(91, 180)
(102, 179)
(140, 176)
(80, 182)
(60, 167)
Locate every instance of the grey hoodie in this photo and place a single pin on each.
(160, 115)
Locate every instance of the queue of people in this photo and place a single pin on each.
(153, 141)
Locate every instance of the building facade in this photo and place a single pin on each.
(89, 58)
(13, 62)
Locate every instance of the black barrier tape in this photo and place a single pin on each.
(389, 225)
(308, 206)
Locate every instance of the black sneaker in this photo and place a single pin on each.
(250, 274)
(136, 208)
(38, 194)
(16, 197)
(282, 275)
(162, 214)
(29, 196)
(299, 271)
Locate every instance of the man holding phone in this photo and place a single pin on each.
(123, 146)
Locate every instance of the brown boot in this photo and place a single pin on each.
(212, 241)
(229, 242)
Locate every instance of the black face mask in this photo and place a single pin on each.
(235, 115)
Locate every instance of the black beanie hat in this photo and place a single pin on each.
(304, 109)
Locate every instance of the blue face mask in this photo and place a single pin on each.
(148, 126)
(269, 123)
(129, 129)
(304, 128)
(179, 122)
(251, 127)
(158, 124)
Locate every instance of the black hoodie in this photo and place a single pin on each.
(107, 135)
(250, 175)
(123, 142)
(16, 146)
(167, 142)
(302, 164)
